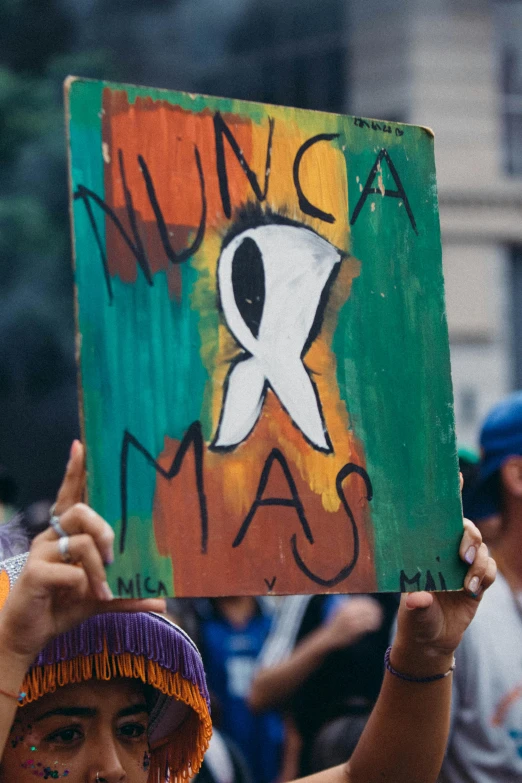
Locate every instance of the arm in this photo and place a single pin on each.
(293, 745)
(12, 673)
(51, 596)
(405, 738)
(273, 685)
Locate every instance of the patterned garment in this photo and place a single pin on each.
(485, 744)
(13, 538)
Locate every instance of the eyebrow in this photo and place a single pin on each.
(133, 709)
(89, 712)
(68, 712)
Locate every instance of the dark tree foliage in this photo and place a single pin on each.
(256, 49)
(295, 55)
(38, 401)
(31, 33)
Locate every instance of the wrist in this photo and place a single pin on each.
(420, 660)
(14, 664)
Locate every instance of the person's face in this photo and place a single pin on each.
(81, 732)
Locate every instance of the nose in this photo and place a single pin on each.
(108, 767)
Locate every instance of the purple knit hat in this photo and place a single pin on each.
(143, 646)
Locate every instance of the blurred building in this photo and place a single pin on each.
(456, 66)
(292, 52)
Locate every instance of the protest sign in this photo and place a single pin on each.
(265, 383)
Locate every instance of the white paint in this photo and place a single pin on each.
(297, 266)
(105, 152)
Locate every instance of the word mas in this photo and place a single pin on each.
(193, 438)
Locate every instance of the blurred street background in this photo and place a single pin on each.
(453, 65)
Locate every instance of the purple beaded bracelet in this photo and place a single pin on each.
(408, 678)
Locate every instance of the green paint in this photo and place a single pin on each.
(394, 372)
(391, 345)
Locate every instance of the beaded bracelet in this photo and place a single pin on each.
(409, 678)
(19, 697)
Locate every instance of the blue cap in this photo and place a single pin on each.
(500, 438)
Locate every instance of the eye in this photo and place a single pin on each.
(132, 731)
(66, 736)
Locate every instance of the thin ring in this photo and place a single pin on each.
(52, 510)
(63, 548)
(58, 529)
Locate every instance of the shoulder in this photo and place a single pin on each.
(13, 538)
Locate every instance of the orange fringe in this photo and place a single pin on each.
(182, 755)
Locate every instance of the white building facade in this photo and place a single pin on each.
(456, 66)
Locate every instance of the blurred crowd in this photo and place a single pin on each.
(293, 679)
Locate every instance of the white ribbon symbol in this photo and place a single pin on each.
(272, 283)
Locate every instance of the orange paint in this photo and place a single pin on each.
(4, 587)
(503, 708)
(165, 136)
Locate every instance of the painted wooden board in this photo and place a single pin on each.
(265, 379)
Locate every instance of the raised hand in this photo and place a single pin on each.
(354, 618)
(435, 622)
(56, 592)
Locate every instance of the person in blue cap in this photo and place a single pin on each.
(486, 737)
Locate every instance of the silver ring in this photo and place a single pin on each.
(63, 548)
(58, 529)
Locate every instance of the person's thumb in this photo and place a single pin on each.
(419, 616)
(418, 600)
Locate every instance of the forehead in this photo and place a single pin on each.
(107, 697)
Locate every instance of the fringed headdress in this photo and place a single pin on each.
(142, 646)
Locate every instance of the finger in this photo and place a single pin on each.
(45, 574)
(477, 571)
(461, 479)
(490, 575)
(418, 600)
(80, 519)
(73, 579)
(73, 484)
(470, 542)
(83, 552)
